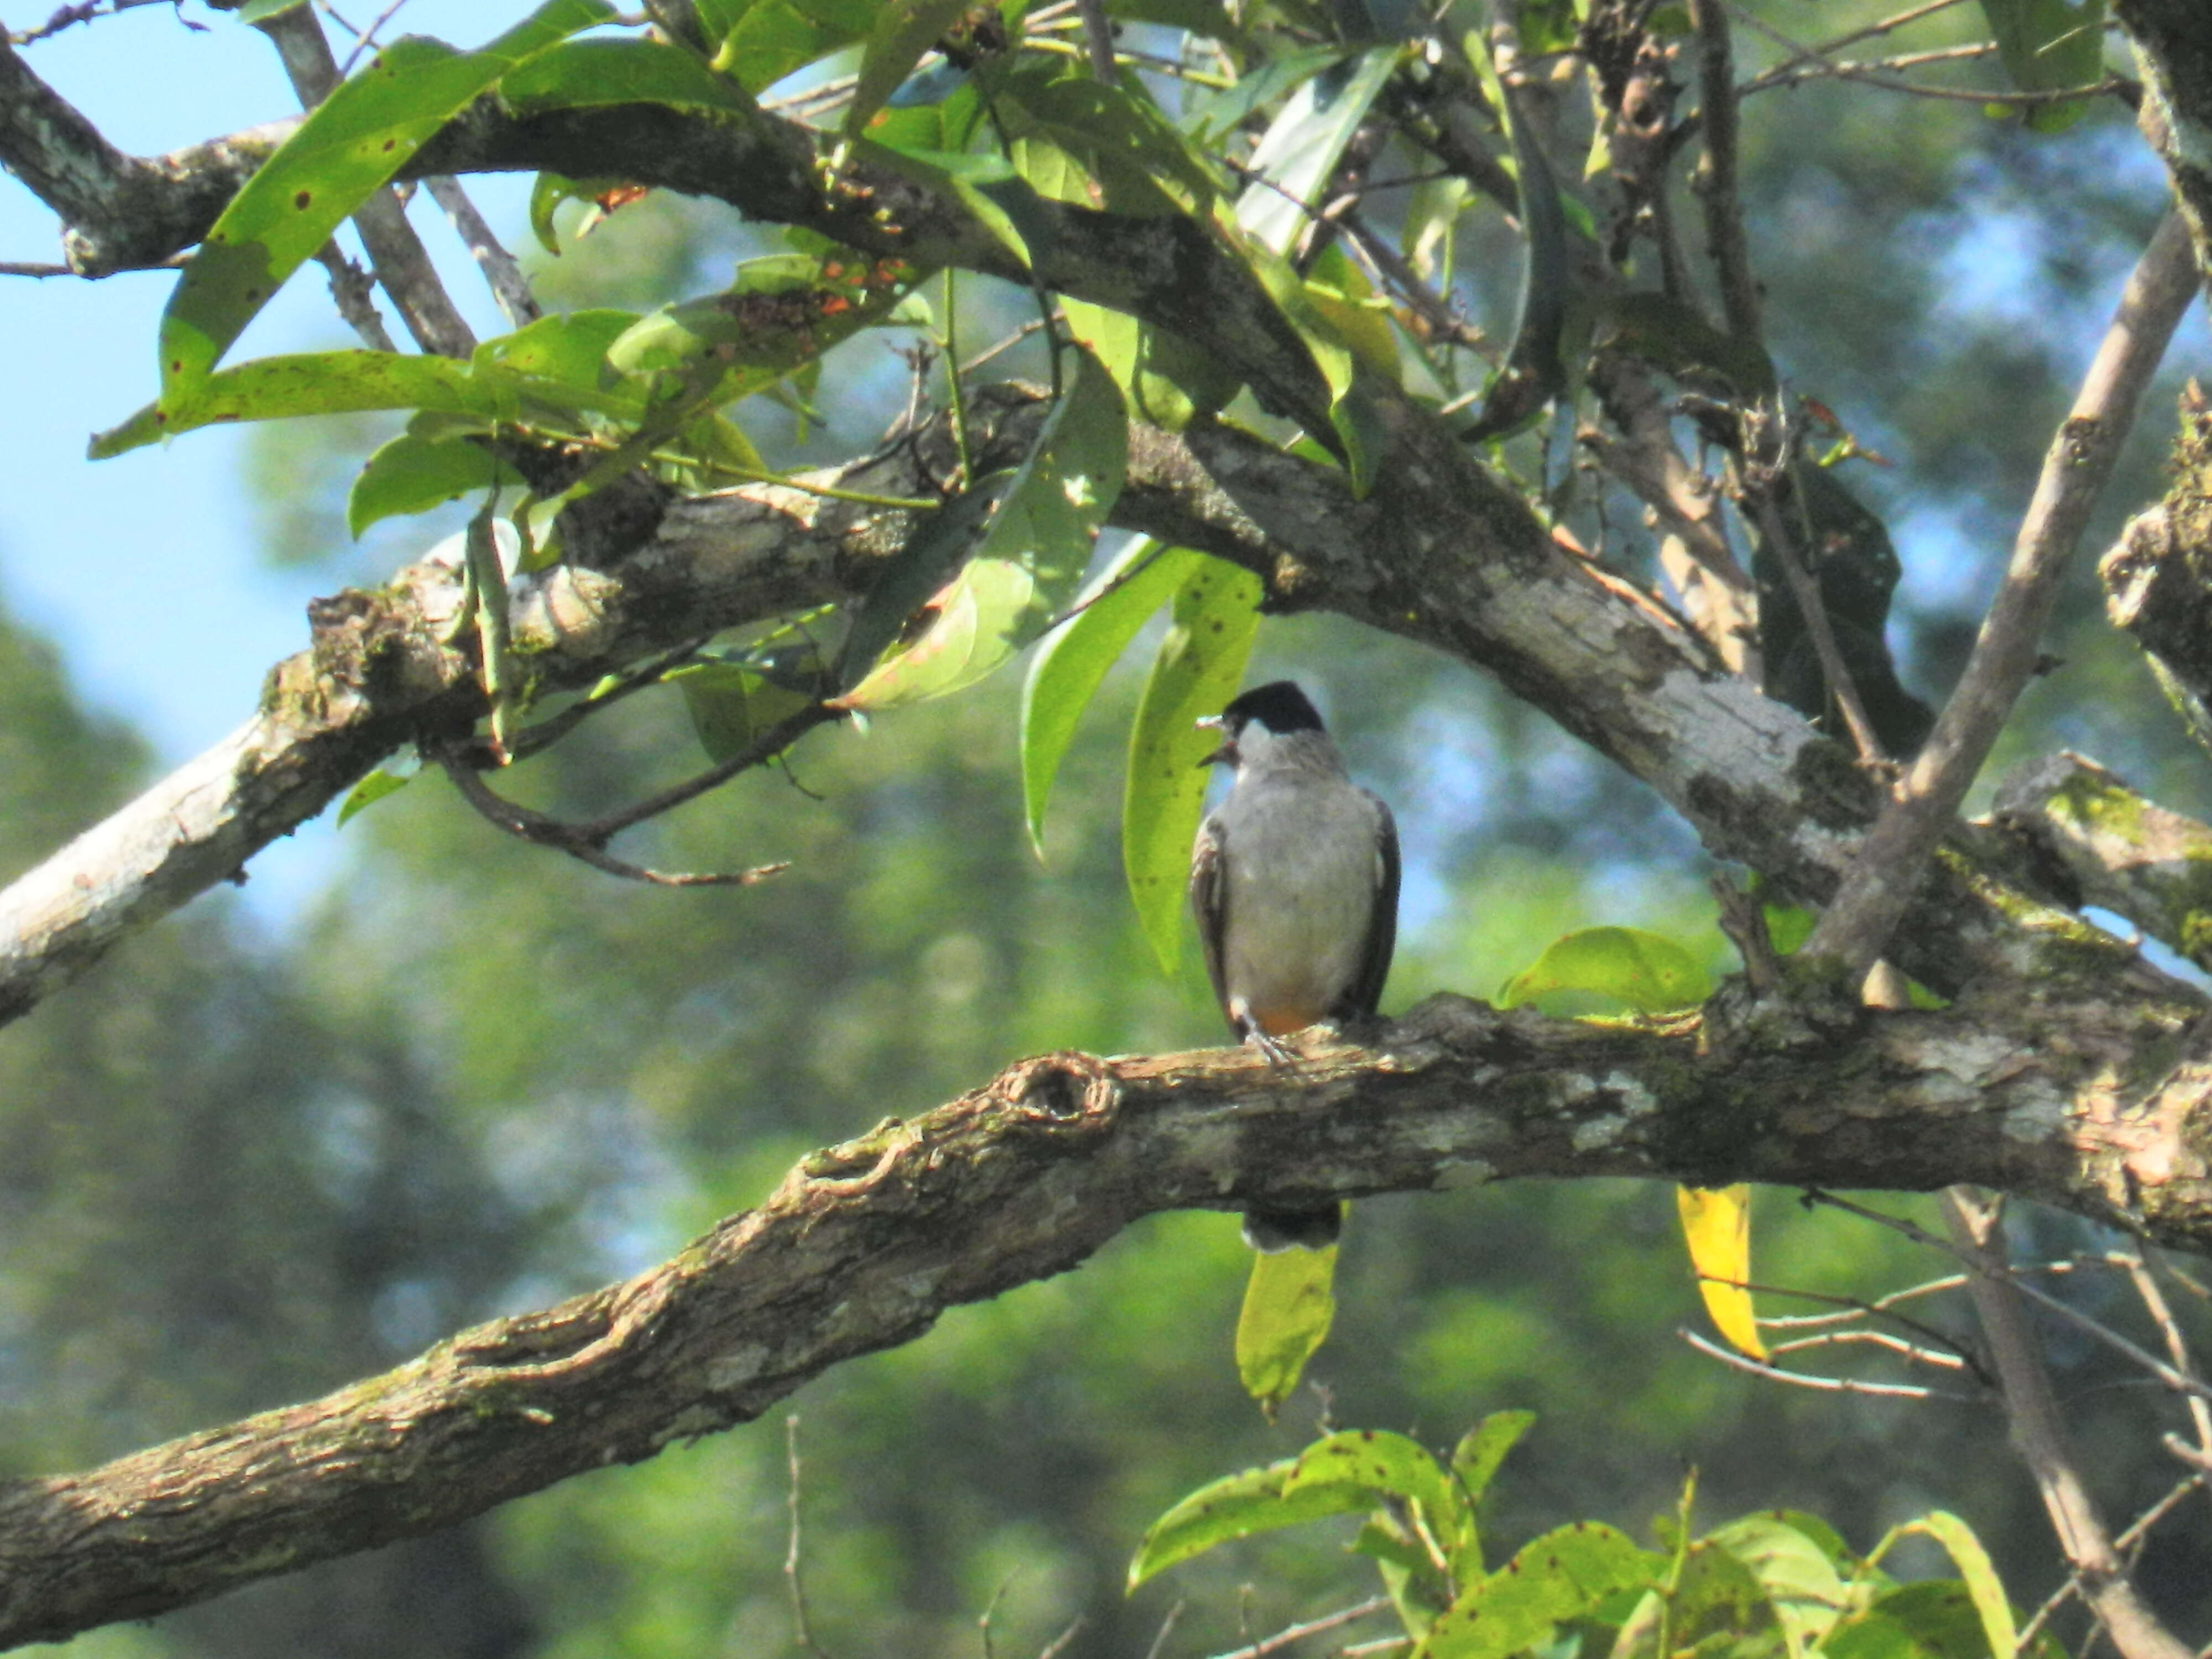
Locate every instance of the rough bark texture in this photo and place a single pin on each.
(2103, 1106)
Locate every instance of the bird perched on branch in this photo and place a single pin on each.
(1294, 880)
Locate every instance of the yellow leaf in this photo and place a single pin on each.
(1716, 1224)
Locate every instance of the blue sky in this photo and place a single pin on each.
(145, 569)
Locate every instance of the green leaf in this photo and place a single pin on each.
(993, 192)
(546, 195)
(412, 475)
(903, 31)
(253, 11)
(731, 705)
(350, 145)
(1141, 160)
(1290, 1303)
(1068, 666)
(1235, 1506)
(313, 383)
(2046, 45)
(1303, 145)
(1647, 971)
(1716, 1598)
(1200, 662)
(595, 74)
(1031, 558)
(1388, 1466)
(568, 350)
(1210, 118)
(770, 38)
(370, 790)
(1934, 1619)
(1795, 1570)
(1559, 1576)
(1980, 1578)
(1476, 1458)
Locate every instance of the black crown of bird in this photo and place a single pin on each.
(1294, 882)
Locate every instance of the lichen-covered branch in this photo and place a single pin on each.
(2117, 851)
(2099, 1106)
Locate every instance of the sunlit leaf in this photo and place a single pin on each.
(1475, 1460)
(1796, 1570)
(350, 144)
(770, 38)
(1073, 659)
(1934, 1619)
(1030, 564)
(1236, 1506)
(313, 383)
(1716, 1226)
(1647, 971)
(1294, 159)
(369, 791)
(1289, 1304)
(1213, 115)
(1200, 664)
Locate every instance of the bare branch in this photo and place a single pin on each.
(1735, 1361)
(402, 262)
(1882, 881)
(2039, 1436)
(1291, 1635)
(502, 273)
(1716, 183)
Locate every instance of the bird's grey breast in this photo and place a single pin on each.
(1302, 867)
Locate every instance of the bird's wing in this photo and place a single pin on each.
(1366, 991)
(1209, 903)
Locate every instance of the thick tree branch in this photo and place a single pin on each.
(2105, 1107)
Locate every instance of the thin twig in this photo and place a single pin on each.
(2111, 83)
(2138, 1529)
(353, 291)
(2040, 1435)
(1061, 1643)
(1329, 1621)
(44, 268)
(1423, 300)
(1882, 879)
(2177, 1381)
(1859, 68)
(532, 740)
(1098, 38)
(500, 273)
(802, 1632)
(1717, 186)
(1824, 1384)
(364, 38)
(2176, 1347)
(1896, 1345)
(1160, 1641)
(85, 12)
(1806, 590)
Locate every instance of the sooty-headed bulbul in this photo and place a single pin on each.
(1294, 879)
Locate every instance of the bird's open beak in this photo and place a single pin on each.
(1227, 750)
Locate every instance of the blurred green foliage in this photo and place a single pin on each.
(237, 1169)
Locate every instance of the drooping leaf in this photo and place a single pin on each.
(551, 190)
(1290, 1303)
(1475, 1460)
(1717, 1227)
(370, 790)
(1559, 1576)
(412, 474)
(998, 197)
(1200, 662)
(1068, 666)
(569, 349)
(1028, 566)
(2047, 45)
(1303, 145)
(1236, 1506)
(903, 30)
(1980, 1578)
(731, 705)
(1647, 971)
(1143, 161)
(349, 145)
